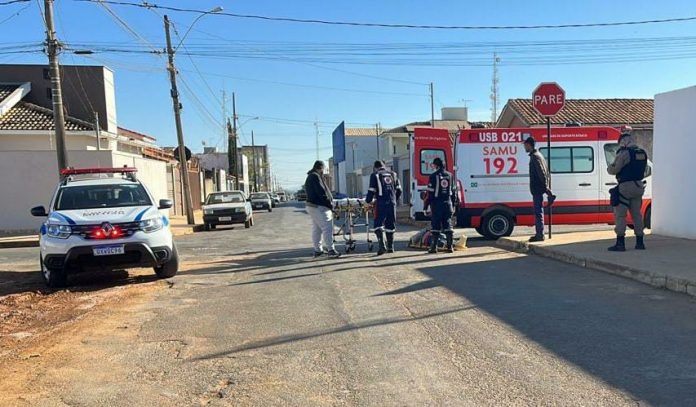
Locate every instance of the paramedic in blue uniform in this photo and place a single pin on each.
(385, 190)
(629, 166)
(441, 200)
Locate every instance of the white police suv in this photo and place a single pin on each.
(104, 219)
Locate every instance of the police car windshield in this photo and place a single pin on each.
(101, 196)
(224, 198)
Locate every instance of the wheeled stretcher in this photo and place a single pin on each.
(352, 215)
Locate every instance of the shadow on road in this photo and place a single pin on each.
(31, 281)
(623, 336)
(282, 339)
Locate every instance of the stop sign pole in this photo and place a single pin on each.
(548, 99)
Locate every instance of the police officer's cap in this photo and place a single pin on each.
(438, 162)
(625, 131)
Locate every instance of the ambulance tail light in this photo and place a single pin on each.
(460, 193)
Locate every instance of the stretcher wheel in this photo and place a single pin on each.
(369, 247)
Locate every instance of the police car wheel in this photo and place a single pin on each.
(497, 224)
(171, 267)
(55, 278)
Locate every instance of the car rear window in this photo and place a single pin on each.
(224, 198)
(259, 196)
(101, 196)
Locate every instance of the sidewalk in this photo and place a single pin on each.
(667, 263)
(177, 223)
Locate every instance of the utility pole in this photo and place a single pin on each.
(316, 130)
(52, 48)
(253, 153)
(377, 138)
(234, 167)
(97, 130)
(432, 105)
(183, 164)
(494, 89)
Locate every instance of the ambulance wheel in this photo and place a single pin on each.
(497, 224)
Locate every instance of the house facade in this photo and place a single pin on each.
(28, 158)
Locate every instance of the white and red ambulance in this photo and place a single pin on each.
(492, 172)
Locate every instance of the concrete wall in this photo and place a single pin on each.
(672, 213)
(25, 141)
(31, 176)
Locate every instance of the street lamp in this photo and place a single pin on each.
(188, 205)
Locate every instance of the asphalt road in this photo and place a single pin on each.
(255, 321)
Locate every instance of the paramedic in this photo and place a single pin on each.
(385, 190)
(319, 206)
(629, 166)
(441, 200)
(538, 185)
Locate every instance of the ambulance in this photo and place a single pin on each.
(491, 170)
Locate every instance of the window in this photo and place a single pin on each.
(49, 93)
(225, 198)
(101, 196)
(426, 160)
(567, 160)
(610, 152)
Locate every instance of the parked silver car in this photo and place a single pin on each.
(261, 200)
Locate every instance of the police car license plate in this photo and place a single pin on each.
(108, 250)
(225, 218)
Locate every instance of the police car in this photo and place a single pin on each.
(103, 219)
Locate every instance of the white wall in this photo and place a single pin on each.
(152, 173)
(673, 147)
(31, 176)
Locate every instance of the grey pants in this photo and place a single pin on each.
(632, 193)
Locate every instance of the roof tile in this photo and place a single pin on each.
(27, 116)
(590, 111)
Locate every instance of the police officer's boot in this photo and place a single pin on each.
(639, 243)
(449, 248)
(390, 242)
(381, 248)
(620, 245)
(434, 239)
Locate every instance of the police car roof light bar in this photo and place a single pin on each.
(103, 170)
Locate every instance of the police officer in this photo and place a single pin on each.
(440, 199)
(629, 166)
(385, 190)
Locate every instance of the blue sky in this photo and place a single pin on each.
(246, 56)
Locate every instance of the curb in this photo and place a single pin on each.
(19, 243)
(641, 275)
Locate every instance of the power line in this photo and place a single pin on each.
(16, 13)
(7, 3)
(409, 26)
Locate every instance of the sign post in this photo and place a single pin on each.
(548, 99)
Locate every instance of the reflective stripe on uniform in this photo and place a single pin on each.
(390, 230)
(437, 186)
(371, 189)
(379, 185)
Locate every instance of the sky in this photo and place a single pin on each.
(293, 80)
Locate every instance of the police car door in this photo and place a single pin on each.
(574, 180)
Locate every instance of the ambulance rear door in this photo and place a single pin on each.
(427, 144)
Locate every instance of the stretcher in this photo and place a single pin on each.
(352, 216)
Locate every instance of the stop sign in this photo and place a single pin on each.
(548, 98)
